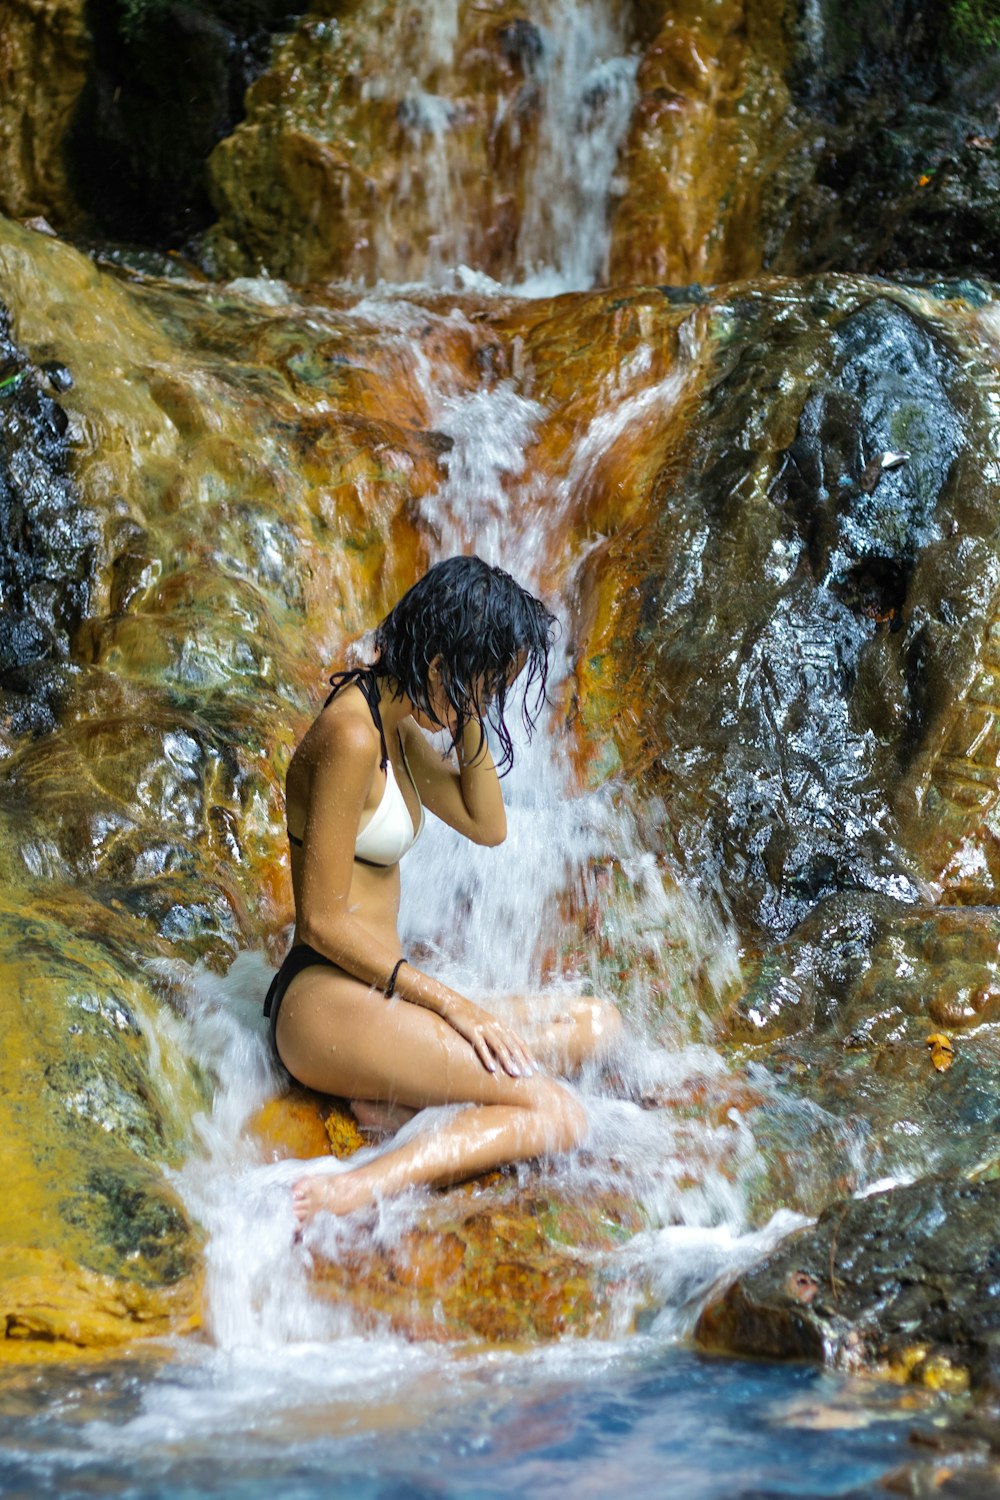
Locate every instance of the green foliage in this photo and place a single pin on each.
(976, 22)
(135, 13)
(242, 16)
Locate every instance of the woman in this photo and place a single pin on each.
(349, 1015)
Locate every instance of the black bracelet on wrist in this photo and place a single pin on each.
(390, 988)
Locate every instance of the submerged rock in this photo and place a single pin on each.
(904, 1282)
(505, 1267)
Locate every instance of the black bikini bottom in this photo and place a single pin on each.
(300, 957)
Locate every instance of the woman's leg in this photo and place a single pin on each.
(565, 1032)
(336, 1035)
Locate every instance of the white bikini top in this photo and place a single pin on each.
(389, 832)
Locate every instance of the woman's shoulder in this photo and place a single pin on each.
(341, 729)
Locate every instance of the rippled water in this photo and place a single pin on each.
(388, 1419)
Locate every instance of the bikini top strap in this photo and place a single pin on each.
(365, 679)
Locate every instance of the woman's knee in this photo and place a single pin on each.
(606, 1025)
(566, 1124)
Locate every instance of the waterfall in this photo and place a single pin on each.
(488, 920)
(581, 88)
(589, 91)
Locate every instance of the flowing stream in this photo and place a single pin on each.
(290, 1386)
(289, 1393)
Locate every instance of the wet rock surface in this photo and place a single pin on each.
(49, 540)
(94, 1240)
(903, 1280)
(534, 1267)
(43, 66)
(896, 165)
(496, 1260)
(803, 617)
(788, 613)
(373, 123)
(165, 83)
(379, 142)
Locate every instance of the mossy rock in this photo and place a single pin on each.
(89, 1114)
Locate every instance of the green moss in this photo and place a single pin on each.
(136, 13)
(976, 22)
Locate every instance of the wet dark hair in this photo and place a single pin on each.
(481, 623)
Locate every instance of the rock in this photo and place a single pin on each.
(95, 1247)
(305, 1125)
(368, 130)
(498, 1265)
(53, 1307)
(695, 171)
(49, 539)
(488, 1260)
(840, 1016)
(903, 1282)
(784, 724)
(778, 651)
(889, 163)
(43, 66)
(165, 83)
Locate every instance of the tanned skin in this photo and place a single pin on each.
(338, 1033)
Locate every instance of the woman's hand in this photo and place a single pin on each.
(491, 1039)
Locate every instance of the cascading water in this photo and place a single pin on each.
(581, 89)
(488, 922)
(326, 1399)
(589, 84)
(285, 1370)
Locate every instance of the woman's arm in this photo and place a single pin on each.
(346, 763)
(468, 797)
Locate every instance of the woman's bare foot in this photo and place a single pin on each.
(385, 1118)
(339, 1194)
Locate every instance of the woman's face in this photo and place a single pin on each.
(444, 715)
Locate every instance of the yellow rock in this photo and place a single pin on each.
(342, 1131)
(48, 1301)
(503, 1267)
(44, 54)
(939, 1373)
(701, 145)
(305, 1125)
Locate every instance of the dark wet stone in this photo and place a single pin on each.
(908, 1279)
(896, 163)
(681, 295)
(808, 615)
(167, 82)
(521, 43)
(47, 538)
(57, 375)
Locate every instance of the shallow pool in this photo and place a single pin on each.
(381, 1419)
